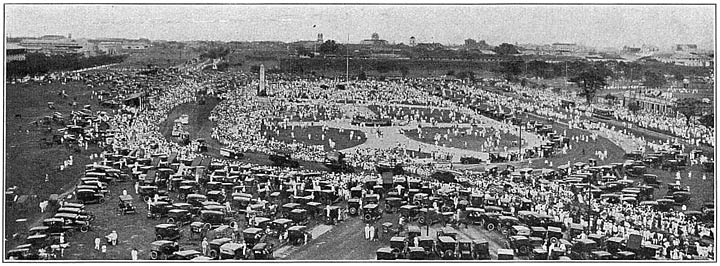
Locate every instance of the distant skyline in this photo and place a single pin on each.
(590, 25)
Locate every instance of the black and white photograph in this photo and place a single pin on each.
(359, 132)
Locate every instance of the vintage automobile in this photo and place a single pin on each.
(428, 216)
(232, 251)
(262, 251)
(582, 249)
(385, 253)
(299, 216)
(253, 235)
(427, 244)
(398, 246)
(464, 249)
(212, 219)
(480, 249)
(446, 248)
(162, 249)
(353, 206)
(158, 209)
(392, 204)
(185, 255)
(519, 243)
(77, 211)
(554, 234)
(125, 205)
(371, 212)
(489, 220)
(279, 226)
(79, 222)
(298, 235)
(179, 217)
(505, 254)
(89, 196)
(417, 253)
(600, 255)
(214, 246)
(167, 232)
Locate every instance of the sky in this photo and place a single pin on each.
(591, 25)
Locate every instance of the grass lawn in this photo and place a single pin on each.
(28, 159)
(473, 142)
(702, 190)
(414, 113)
(341, 138)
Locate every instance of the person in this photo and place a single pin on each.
(137, 187)
(112, 238)
(204, 246)
(134, 254)
(103, 250)
(367, 231)
(43, 206)
(372, 232)
(124, 192)
(97, 243)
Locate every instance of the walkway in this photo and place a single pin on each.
(391, 136)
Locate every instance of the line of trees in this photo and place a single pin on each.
(37, 63)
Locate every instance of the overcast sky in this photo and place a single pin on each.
(598, 26)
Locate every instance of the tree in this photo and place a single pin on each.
(590, 81)
(690, 107)
(634, 107)
(511, 69)
(329, 47)
(362, 76)
(708, 120)
(506, 49)
(654, 80)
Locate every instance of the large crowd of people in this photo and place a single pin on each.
(242, 119)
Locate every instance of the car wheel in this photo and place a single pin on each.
(84, 228)
(68, 233)
(158, 237)
(207, 226)
(421, 220)
(101, 200)
(448, 254)
(170, 220)
(213, 254)
(523, 250)
(553, 239)
(353, 211)
(154, 255)
(367, 217)
(490, 226)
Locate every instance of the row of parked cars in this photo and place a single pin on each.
(70, 218)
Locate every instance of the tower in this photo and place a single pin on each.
(412, 40)
(261, 89)
(320, 37)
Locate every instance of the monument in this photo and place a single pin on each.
(261, 89)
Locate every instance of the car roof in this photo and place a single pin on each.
(161, 242)
(165, 226)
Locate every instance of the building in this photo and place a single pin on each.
(685, 59)
(14, 52)
(134, 46)
(562, 48)
(686, 48)
(374, 40)
(57, 44)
